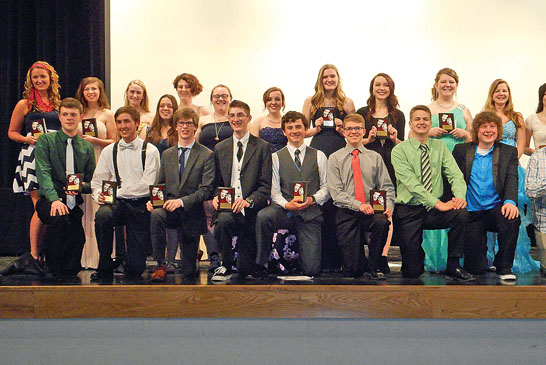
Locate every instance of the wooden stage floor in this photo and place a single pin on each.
(431, 296)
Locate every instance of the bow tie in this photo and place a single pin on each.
(127, 146)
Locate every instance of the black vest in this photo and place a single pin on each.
(288, 173)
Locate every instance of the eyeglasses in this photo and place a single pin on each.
(184, 124)
(238, 115)
(218, 96)
(356, 129)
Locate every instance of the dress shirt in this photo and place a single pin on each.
(406, 159)
(135, 182)
(236, 168)
(186, 156)
(481, 193)
(341, 182)
(321, 196)
(51, 166)
(535, 187)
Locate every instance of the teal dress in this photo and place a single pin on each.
(523, 262)
(435, 241)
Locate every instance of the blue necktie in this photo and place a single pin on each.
(182, 161)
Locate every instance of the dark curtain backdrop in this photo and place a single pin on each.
(70, 35)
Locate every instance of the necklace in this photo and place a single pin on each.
(445, 107)
(216, 129)
(273, 121)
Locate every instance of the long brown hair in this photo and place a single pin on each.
(103, 99)
(392, 100)
(52, 90)
(317, 100)
(508, 106)
(154, 134)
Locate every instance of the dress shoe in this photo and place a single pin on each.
(459, 274)
(102, 276)
(383, 265)
(158, 276)
(374, 275)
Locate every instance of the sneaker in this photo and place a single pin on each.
(158, 276)
(221, 274)
(492, 268)
(506, 274)
(214, 262)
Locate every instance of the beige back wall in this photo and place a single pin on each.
(251, 45)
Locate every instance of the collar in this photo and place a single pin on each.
(64, 137)
(349, 149)
(489, 152)
(415, 143)
(243, 140)
(293, 149)
(190, 146)
(137, 142)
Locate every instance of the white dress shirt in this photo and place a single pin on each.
(134, 182)
(321, 196)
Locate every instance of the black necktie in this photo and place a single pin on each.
(297, 160)
(239, 151)
(182, 160)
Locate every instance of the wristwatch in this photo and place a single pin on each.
(251, 202)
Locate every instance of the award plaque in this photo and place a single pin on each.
(157, 195)
(447, 122)
(328, 117)
(382, 126)
(38, 127)
(89, 127)
(73, 182)
(378, 200)
(109, 190)
(226, 196)
(300, 191)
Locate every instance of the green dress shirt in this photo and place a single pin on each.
(50, 156)
(406, 159)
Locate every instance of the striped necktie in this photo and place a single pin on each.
(426, 175)
(297, 160)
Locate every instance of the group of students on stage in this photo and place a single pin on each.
(240, 183)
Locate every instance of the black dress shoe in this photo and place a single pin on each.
(102, 276)
(383, 265)
(459, 274)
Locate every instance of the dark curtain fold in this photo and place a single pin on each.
(70, 35)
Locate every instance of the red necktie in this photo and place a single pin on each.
(357, 176)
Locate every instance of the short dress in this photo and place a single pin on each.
(25, 172)
(275, 137)
(328, 140)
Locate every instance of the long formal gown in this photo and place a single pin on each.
(523, 262)
(90, 253)
(435, 241)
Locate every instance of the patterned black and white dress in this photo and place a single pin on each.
(25, 173)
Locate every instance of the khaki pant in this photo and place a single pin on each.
(541, 244)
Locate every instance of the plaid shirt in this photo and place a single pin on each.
(535, 187)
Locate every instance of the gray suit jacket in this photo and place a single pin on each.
(255, 171)
(197, 185)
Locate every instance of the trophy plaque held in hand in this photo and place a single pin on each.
(378, 199)
(89, 127)
(226, 196)
(300, 191)
(109, 190)
(328, 117)
(38, 127)
(447, 122)
(382, 126)
(157, 195)
(73, 182)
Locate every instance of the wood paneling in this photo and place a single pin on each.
(273, 301)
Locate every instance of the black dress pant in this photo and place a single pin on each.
(64, 239)
(351, 226)
(331, 250)
(133, 214)
(229, 224)
(411, 220)
(475, 249)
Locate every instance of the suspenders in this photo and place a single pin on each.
(115, 157)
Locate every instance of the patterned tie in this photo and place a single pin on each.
(426, 175)
(297, 160)
(239, 151)
(357, 176)
(70, 199)
(182, 161)
(127, 146)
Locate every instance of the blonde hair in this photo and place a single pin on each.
(53, 89)
(317, 100)
(445, 71)
(144, 103)
(508, 106)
